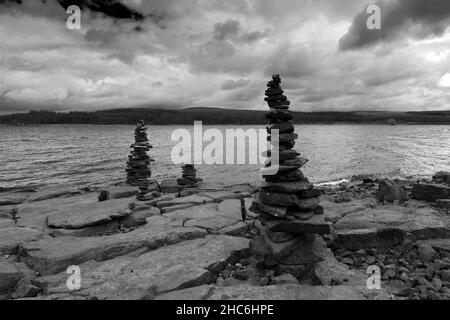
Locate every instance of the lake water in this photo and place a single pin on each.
(95, 155)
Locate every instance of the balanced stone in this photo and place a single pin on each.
(287, 204)
(188, 176)
(138, 164)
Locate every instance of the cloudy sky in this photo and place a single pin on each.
(216, 53)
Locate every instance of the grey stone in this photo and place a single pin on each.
(178, 266)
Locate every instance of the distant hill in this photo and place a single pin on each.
(213, 116)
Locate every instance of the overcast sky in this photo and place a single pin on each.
(220, 53)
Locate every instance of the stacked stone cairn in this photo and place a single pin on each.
(138, 164)
(287, 203)
(188, 176)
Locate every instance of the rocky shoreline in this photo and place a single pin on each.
(194, 243)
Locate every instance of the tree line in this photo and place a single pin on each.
(216, 116)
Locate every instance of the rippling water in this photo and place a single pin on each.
(95, 155)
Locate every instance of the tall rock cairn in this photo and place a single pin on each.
(287, 203)
(138, 164)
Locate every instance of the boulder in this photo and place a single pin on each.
(389, 191)
(12, 238)
(430, 192)
(144, 276)
(426, 252)
(266, 293)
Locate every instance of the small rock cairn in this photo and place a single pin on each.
(287, 203)
(188, 176)
(138, 164)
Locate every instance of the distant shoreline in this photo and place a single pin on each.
(216, 116)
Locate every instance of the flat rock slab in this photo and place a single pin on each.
(12, 238)
(8, 211)
(6, 223)
(430, 192)
(274, 292)
(83, 215)
(211, 216)
(53, 192)
(144, 276)
(424, 223)
(53, 255)
(440, 245)
(12, 198)
(123, 191)
(333, 212)
(34, 215)
(191, 199)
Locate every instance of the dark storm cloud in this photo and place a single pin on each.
(416, 18)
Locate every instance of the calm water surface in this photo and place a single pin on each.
(95, 155)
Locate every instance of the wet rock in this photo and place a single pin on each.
(187, 264)
(430, 192)
(389, 191)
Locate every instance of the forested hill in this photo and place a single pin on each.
(217, 116)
